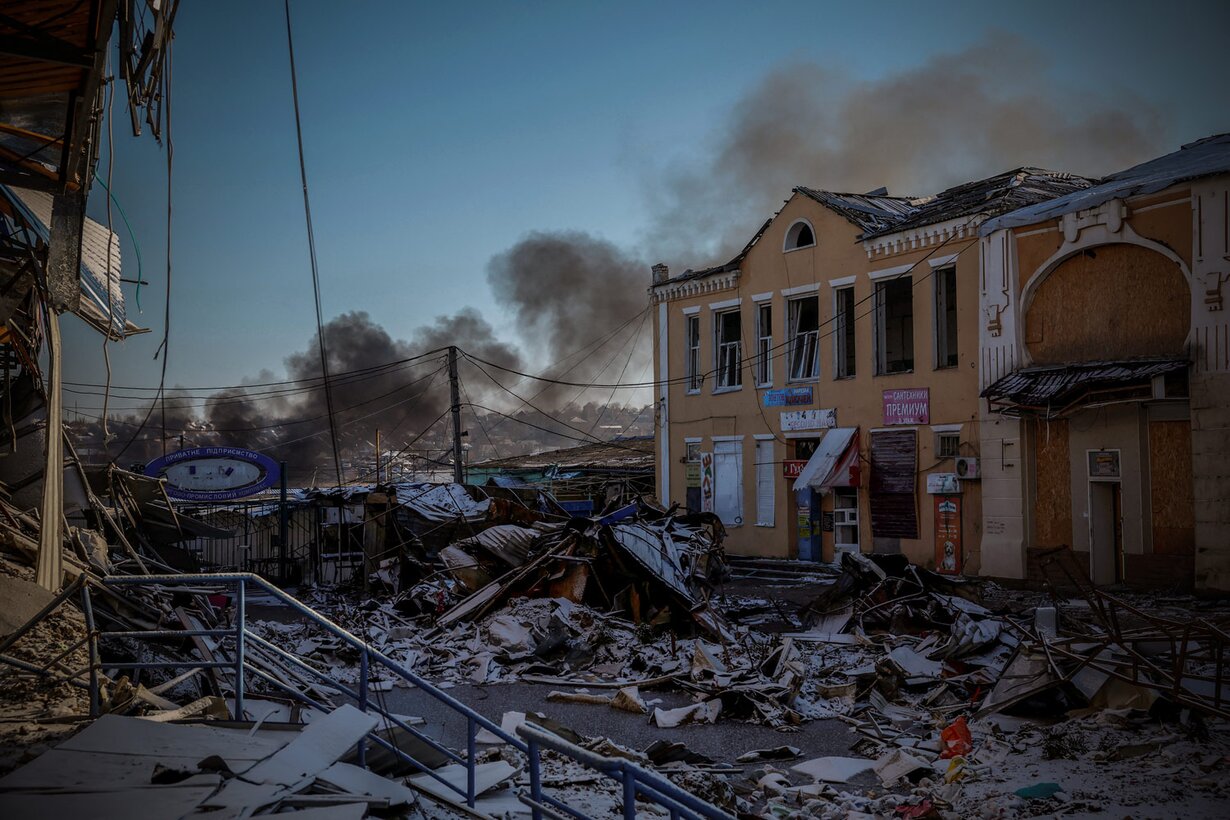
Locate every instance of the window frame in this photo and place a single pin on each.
(766, 484)
(845, 347)
(942, 357)
(880, 326)
(722, 349)
(942, 436)
(793, 333)
(694, 379)
(790, 239)
(763, 367)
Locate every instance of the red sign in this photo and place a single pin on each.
(793, 467)
(948, 558)
(909, 406)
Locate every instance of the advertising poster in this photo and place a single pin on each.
(948, 559)
(706, 482)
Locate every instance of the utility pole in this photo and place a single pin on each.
(455, 395)
(377, 456)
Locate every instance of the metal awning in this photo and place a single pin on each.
(823, 470)
(1054, 390)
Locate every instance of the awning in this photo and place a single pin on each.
(1052, 390)
(102, 299)
(829, 465)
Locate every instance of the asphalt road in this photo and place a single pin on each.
(723, 741)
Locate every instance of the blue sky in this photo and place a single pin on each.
(437, 135)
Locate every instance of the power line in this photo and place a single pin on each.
(311, 238)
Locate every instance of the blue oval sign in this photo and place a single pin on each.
(214, 473)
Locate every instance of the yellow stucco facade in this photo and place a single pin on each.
(735, 420)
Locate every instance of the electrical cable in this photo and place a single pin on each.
(307, 213)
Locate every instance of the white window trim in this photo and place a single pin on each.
(693, 439)
(943, 261)
(837, 290)
(879, 365)
(935, 315)
(726, 438)
(801, 290)
(764, 436)
(762, 297)
(791, 334)
(843, 281)
(768, 366)
(947, 428)
(790, 230)
(884, 273)
(698, 377)
(726, 304)
(691, 311)
(714, 332)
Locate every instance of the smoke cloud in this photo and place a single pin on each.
(958, 117)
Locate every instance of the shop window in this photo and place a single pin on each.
(764, 345)
(894, 326)
(692, 364)
(728, 345)
(946, 317)
(843, 333)
(804, 338)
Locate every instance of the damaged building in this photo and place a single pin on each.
(819, 392)
(1105, 367)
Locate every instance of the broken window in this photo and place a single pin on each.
(692, 450)
(894, 326)
(800, 235)
(804, 338)
(728, 338)
(764, 345)
(843, 333)
(692, 364)
(946, 317)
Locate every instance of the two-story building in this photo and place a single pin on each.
(1105, 329)
(815, 388)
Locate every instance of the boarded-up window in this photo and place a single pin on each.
(1170, 487)
(894, 464)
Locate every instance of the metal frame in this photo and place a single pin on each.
(635, 780)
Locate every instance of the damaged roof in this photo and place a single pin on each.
(1202, 158)
(994, 195)
(624, 455)
(873, 213)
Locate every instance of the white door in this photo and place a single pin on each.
(728, 481)
(765, 483)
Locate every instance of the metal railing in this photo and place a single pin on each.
(634, 779)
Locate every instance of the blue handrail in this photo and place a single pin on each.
(634, 779)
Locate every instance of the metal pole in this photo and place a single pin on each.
(240, 619)
(471, 752)
(283, 526)
(535, 777)
(455, 397)
(629, 795)
(363, 670)
(87, 609)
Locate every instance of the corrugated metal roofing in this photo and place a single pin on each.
(1053, 386)
(994, 195)
(1205, 157)
(623, 454)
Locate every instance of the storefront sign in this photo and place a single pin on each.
(214, 473)
(1103, 463)
(948, 558)
(691, 475)
(908, 406)
(792, 467)
(788, 397)
(706, 482)
(794, 420)
(943, 484)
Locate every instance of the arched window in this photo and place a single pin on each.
(800, 235)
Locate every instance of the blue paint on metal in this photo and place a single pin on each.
(270, 472)
(583, 509)
(529, 739)
(788, 397)
(619, 515)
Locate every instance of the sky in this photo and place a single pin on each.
(437, 136)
